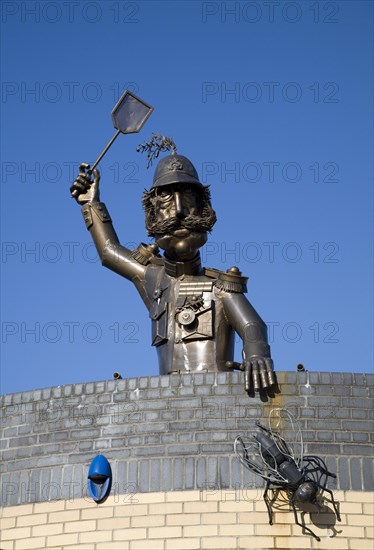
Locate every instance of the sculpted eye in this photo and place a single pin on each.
(164, 195)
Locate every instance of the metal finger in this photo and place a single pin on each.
(84, 166)
(78, 187)
(247, 377)
(263, 373)
(84, 181)
(256, 377)
(270, 372)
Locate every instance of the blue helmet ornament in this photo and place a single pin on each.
(99, 479)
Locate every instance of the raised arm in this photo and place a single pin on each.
(98, 222)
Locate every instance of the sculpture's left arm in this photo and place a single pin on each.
(257, 362)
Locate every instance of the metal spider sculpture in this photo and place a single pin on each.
(284, 467)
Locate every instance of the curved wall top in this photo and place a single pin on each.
(173, 433)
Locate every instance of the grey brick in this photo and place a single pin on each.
(169, 438)
(343, 475)
(144, 476)
(359, 414)
(359, 402)
(359, 450)
(99, 445)
(116, 430)
(202, 437)
(121, 478)
(367, 472)
(360, 437)
(220, 390)
(358, 425)
(187, 390)
(342, 390)
(343, 436)
(79, 478)
(164, 381)
(336, 378)
(212, 474)
(100, 387)
(154, 393)
(193, 403)
(323, 401)
(152, 439)
(150, 416)
(236, 472)
(155, 475)
(360, 392)
(168, 415)
(224, 471)
(190, 449)
(154, 381)
(359, 379)
(209, 379)
(186, 414)
(169, 392)
(189, 473)
(187, 425)
(224, 424)
(186, 437)
(175, 380)
(151, 427)
(178, 474)
(23, 480)
(355, 467)
(151, 450)
(347, 378)
(201, 473)
(217, 448)
(167, 474)
(323, 449)
(325, 436)
(152, 405)
(92, 433)
(55, 484)
(132, 476)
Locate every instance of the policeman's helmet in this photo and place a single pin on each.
(175, 169)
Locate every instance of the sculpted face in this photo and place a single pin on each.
(178, 228)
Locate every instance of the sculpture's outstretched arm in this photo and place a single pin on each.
(245, 320)
(98, 222)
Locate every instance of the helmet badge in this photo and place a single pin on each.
(175, 165)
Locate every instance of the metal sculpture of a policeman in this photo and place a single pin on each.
(194, 311)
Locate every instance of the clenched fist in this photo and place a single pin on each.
(84, 189)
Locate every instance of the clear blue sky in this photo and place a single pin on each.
(272, 102)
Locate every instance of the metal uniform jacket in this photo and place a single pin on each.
(194, 312)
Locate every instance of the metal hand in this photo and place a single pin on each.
(259, 373)
(84, 189)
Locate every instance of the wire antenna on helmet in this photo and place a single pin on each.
(158, 144)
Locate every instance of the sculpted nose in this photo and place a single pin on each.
(179, 210)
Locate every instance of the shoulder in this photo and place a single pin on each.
(231, 280)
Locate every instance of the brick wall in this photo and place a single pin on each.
(174, 433)
(176, 480)
(183, 520)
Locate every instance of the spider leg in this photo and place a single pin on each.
(303, 526)
(321, 465)
(268, 503)
(332, 500)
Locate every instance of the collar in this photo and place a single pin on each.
(176, 269)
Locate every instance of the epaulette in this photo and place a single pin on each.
(146, 254)
(231, 280)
